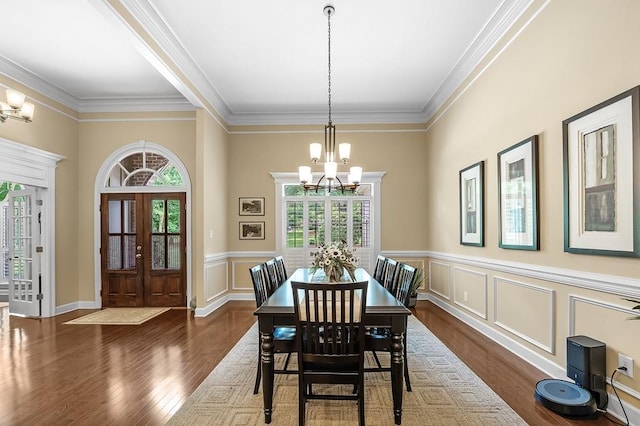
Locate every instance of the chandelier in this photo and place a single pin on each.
(330, 177)
(16, 107)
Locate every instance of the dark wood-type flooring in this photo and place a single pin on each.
(57, 374)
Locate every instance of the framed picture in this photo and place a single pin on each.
(472, 205)
(518, 195)
(252, 230)
(251, 206)
(601, 178)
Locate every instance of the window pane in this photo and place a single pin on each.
(361, 221)
(173, 254)
(316, 223)
(338, 221)
(294, 224)
(157, 216)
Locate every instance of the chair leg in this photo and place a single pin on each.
(286, 361)
(301, 403)
(259, 372)
(375, 357)
(406, 367)
(361, 405)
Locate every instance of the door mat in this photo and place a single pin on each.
(119, 316)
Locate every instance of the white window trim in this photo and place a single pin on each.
(288, 178)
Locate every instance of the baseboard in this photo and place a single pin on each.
(63, 309)
(552, 369)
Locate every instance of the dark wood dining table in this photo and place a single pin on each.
(383, 310)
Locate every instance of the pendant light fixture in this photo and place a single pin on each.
(330, 179)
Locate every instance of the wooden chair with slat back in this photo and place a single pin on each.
(281, 269)
(379, 338)
(378, 271)
(283, 337)
(271, 270)
(330, 340)
(389, 275)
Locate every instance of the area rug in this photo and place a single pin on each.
(119, 316)
(445, 392)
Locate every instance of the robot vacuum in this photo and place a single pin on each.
(565, 398)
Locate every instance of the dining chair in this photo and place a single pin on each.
(330, 340)
(378, 271)
(389, 274)
(283, 336)
(281, 269)
(271, 270)
(379, 338)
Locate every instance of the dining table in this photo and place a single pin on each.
(382, 310)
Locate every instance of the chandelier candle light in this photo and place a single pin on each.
(16, 107)
(315, 149)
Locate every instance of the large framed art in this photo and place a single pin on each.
(472, 205)
(601, 160)
(518, 196)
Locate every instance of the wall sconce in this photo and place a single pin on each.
(16, 107)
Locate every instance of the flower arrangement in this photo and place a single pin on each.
(334, 259)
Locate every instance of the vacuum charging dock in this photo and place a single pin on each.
(586, 364)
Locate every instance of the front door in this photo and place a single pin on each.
(24, 249)
(143, 249)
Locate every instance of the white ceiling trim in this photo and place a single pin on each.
(31, 80)
(157, 28)
(502, 20)
(136, 105)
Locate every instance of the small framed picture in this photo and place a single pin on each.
(472, 205)
(251, 206)
(601, 148)
(252, 230)
(518, 195)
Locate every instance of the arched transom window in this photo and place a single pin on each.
(144, 169)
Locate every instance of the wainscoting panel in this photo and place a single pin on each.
(215, 280)
(439, 279)
(240, 273)
(526, 310)
(418, 264)
(470, 290)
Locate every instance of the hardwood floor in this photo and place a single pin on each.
(57, 374)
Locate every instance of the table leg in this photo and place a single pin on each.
(267, 374)
(397, 374)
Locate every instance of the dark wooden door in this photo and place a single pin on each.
(143, 249)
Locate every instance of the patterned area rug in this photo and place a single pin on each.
(445, 392)
(119, 316)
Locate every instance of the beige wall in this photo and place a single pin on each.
(574, 55)
(55, 130)
(97, 141)
(397, 150)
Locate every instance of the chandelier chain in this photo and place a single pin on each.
(329, 62)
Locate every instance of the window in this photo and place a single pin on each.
(311, 219)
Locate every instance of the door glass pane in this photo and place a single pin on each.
(158, 252)
(115, 219)
(174, 252)
(114, 253)
(158, 216)
(294, 224)
(129, 216)
(173, 216)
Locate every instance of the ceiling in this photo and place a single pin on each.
(254, 61)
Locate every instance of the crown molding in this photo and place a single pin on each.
(154, 25)
(152, 22)
(501, 21)
(32, 81)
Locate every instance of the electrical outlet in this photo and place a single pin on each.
(627, 362)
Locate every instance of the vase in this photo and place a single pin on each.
(334, 273)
